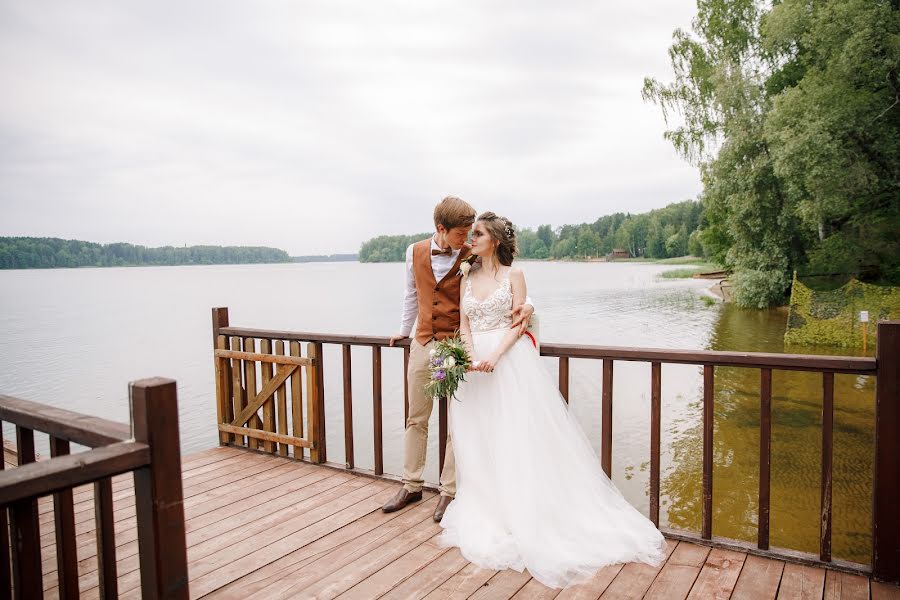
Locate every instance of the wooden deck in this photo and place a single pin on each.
(262, 526)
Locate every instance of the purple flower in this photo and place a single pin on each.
(439, 375)
(437, 361)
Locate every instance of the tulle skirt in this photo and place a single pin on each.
(530, 490)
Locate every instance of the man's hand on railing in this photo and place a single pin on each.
(396, 338)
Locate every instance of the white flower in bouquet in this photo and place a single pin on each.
(449, 362)
(432, 353)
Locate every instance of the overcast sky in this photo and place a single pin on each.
(314, 125)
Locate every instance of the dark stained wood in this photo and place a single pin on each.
(5, 575)
(320, 452)
(443, 426)
(268, 406)
(884, 591)
(708, 414)
(377, 423)
(827, 452)
(349, 461)
(106, 538)
(159, 496)
(405, 385)
(281, 404)
(297, 402)
(222, 372)
(46, 477)
(64, 528)
(61, 423)
(224, 408)
(564, 377)
(24, 529)
(786, 362)
(758, 579)
(606, 423)
(765, 456)
(886, 490)
(655, 418)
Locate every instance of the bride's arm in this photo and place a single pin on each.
(519, 289)
(465, 330)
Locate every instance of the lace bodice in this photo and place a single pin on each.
(491, 313)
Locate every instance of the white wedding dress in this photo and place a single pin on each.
(530, 490)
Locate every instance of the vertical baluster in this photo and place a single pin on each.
(268, 407)
(827, 453)
(297, 402)
(708, 406)
(376, 409)
(281, 399)
(314, 415)
(64, 521)
(223, 375)
(224, 392)
(442, 433)
(322, 456)
(405, 385)
(886, 480)
(250, 384)
(5, 575)
(106, 538)
(607, 416)
(25, 531)
(239, 394)
(348, 407)
(655, 416)
(765, 456)
(564, 377)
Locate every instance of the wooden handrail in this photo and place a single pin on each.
(61, 423)
(49, 476)
(885, 367)
(785, 362)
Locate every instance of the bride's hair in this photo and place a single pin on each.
(501, 230)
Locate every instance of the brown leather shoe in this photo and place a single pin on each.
(442, 505)
(401, 499)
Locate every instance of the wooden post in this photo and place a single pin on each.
(885, 516)
(655, 417)
(25, 536)
(765, 456)
(223, 374)
(708, 416)
(64, 521)
(827, 459)
(377, 424)
(320, 402)
(349, 460)
(606, 423)
(159, 499)
(5, 575)
(564, 377)
(314, 410)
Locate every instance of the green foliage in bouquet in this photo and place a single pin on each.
(448, 366)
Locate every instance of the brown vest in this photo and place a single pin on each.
(438, 300)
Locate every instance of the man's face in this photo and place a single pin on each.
(457, 236)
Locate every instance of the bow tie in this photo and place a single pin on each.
(444, 252)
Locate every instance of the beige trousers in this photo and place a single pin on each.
(415, 439)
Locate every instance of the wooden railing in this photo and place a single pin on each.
(149, 448)
(885, 367)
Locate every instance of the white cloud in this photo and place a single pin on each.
(312, 126)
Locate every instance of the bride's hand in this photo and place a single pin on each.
(488, 365)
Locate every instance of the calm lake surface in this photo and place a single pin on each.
(74, 338)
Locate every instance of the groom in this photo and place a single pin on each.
(432, 299)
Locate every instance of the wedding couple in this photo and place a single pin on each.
(530, 491)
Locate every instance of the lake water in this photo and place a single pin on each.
(74, 338)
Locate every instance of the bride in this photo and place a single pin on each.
(530, 491)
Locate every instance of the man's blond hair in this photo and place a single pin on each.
(453, 212)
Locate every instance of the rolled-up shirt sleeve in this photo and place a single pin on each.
(410, 297)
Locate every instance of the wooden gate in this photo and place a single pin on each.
(249, 382)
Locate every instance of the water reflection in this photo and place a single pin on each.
(796, 448)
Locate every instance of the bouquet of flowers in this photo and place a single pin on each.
(448, 366)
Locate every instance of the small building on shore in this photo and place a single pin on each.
(618, 253)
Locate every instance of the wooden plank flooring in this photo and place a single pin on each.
(264, 527)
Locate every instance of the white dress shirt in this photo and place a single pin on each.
(440, 266)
